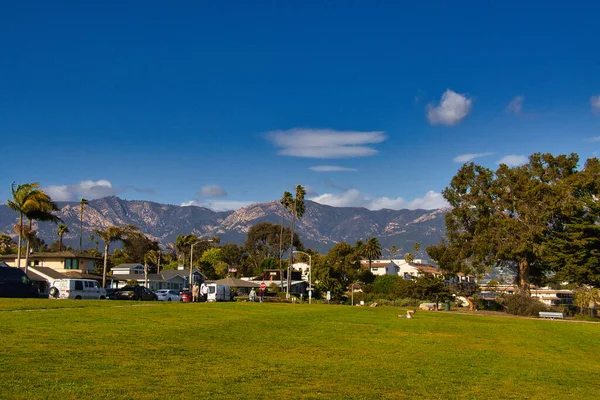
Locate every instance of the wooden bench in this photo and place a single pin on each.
(551, 315)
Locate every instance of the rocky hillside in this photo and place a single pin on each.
(321, 227)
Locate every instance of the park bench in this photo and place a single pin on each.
(551, 315)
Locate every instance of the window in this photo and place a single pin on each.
(36, 263)
(71, 263)
(78, 285)
(89, 284)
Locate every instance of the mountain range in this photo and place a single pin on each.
(320, 228)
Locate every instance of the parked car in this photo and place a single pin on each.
(168, 295)
(186, 296)
(77, 289)
(133, 293)
(14, 283)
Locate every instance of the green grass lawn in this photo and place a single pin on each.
(53, 349)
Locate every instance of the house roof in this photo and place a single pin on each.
(429, 270)
(239, 283)
(127, 265)
(380, 264)
(47, 271)
(58, 254)
(162, 276)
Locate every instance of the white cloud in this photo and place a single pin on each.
(88, 189)
(593, 139)
(59, 193)
(513, 160)
(212, 191)
(325, 143)
(331, 168)
(595, 102)
(354, 198)
(452, 109)
(516, 105)
(463, 158)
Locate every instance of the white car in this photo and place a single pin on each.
(168, 295)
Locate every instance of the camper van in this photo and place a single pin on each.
(218, 292)
(76, 289)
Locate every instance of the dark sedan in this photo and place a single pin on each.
(132, 293)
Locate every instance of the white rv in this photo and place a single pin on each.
(77, 289)
(218, 292)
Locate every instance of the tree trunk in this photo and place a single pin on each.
(524, 276)
(281, 236)
(20, 242)
(81, 229)
(158, 264)
(60, 235)
(28, 248)
(105, 264)
(289, 277)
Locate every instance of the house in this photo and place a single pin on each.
(381, 267)
(304, 268)
(165, 279)
(405, 269)
(548, 296)
(128, 269)
(62, 261)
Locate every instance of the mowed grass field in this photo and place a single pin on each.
(53, 349)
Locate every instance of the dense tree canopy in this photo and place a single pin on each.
(523, 217)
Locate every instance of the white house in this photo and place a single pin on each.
(381, 267)
(304, 268)
(406, 270)
(128, 269)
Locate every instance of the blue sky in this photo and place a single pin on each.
(222, 104)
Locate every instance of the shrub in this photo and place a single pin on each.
(522, 304)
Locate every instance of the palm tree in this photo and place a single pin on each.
(371, 250)
(34, 204)
(82, 205)
(62, 229)
(153, 257)
(297, 212)
(286, 202)
(113, 234)
(394, 250)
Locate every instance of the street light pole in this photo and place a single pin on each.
(309, 273)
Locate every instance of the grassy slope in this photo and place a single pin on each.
(244, 350)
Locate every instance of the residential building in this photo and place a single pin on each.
(62, 261)
(166, 279)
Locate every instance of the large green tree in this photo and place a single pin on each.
(31, 202)
(509, 217)
(263, 240)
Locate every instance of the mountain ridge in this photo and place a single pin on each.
(320, 228)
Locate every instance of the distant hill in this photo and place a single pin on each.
(321, 227)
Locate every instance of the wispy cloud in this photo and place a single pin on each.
(331, 168)
(516, 105)
(212, 191)
(593, 139)
(452, 109)
(595, 102)
(513, 160)
(463, 158)
(325, 143)
(355, 198)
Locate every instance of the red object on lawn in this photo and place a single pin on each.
(186, 297)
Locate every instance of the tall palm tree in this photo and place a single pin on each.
(297, 212)
(40, 210)
(30, 202)
(153, 257)
(62, 229)
(109, 235)
(286, 202)
(82, 205)
(372, 250)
